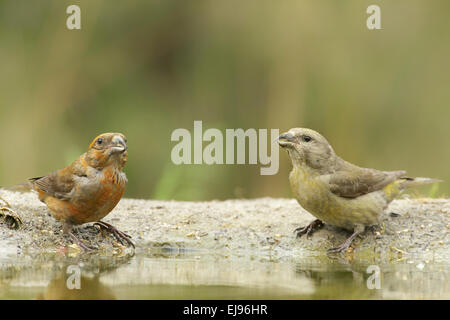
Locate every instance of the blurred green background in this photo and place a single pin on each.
(145, 68)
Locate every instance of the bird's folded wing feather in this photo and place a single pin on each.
(354, 183)
(55, 185)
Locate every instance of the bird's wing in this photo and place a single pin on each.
(354, 183)
(56, 184)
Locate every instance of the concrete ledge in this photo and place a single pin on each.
(261, 227)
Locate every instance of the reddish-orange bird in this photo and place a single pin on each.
(89, 188)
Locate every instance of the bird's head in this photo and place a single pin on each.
(307, 148)
(108, 149)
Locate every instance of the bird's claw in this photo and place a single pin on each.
(80, 243)
(11, 218)
(338, 249)
(122, 237)
(309, 229)
(345, 245)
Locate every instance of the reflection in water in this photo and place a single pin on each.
(166, 275)
(90, 289)
(399, 281)
(52, 276)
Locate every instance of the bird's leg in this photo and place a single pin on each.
(10, 216)
(67, 229)
(346, 244)
(80, 243)
(122, 237)
(310, 228)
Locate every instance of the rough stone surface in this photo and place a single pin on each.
(236, 228)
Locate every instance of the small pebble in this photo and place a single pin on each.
(420, 266)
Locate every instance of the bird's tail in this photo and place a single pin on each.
(414, 182)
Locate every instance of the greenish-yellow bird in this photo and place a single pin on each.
(335, 191)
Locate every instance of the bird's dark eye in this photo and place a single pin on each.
(307, 138)
(99, 140)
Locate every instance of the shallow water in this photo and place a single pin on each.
(196, 275)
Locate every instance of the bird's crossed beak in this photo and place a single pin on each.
(119, 145)
(285, 139)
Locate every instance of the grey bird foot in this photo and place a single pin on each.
(122, 237)
(345, 245)
(309, 229)
(11, 218)
(80, 243)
